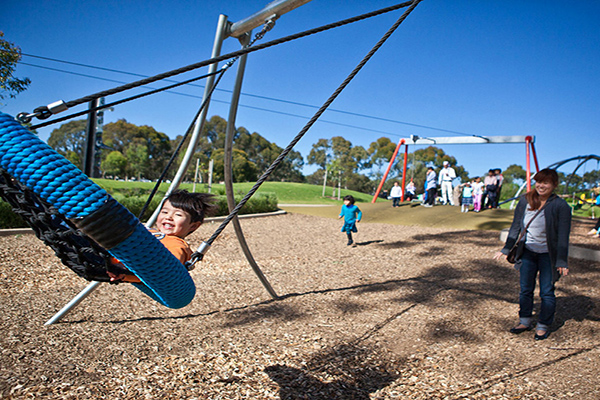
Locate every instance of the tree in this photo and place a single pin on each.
(243, 170)
(68, 140)
(147, 150)
(263, 153)
(320, 155)
(138, 161)
(434, 156)
(10, 55)
(514, 173)
(380, 152)
(114, 165)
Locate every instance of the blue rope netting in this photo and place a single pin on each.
(59, 183)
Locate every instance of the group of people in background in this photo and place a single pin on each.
(477, 193)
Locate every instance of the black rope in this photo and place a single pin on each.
(198, 256)
(180, 145)
(43, 112)
(139, 96)
(266, 28)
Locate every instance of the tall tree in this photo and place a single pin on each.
(10, 55)
(68, 140)
(263, 153)
(380, 152)
(514, 173)
(135, 142)
(114, 165)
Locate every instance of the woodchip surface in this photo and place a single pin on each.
(409, 313)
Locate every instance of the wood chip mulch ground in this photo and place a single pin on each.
(409, 313)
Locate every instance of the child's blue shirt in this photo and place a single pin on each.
(351, 213)
(467, 191)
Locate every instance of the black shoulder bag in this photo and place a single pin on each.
(516, 251)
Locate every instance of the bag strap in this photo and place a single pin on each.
(531, 220)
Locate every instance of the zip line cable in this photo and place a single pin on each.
(226, 91)
(44, 112)
(139, 96)
(333, 110)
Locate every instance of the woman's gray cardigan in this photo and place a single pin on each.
(558, 227)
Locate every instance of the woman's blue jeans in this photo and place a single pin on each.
(532, 265)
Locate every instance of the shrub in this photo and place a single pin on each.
(259, 203)
(8, 219)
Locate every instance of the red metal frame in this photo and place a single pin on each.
(402, 141)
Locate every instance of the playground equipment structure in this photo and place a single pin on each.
(416, 140)
(242, 31)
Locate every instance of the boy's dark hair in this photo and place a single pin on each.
(198, 205)
(349, 198)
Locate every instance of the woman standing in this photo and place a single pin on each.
(546, 219)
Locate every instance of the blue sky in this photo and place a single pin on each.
(483, 67)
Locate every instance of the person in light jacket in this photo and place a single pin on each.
(545, 252)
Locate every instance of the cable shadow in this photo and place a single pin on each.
(379, 285)
(349, 371)
(508, 377)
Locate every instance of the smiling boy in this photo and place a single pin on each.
(181, 214)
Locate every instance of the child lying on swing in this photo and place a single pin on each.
(181, 214)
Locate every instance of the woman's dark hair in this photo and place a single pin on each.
(198, 205)
(546, 175)
(349, 198)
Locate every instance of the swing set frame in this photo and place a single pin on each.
(416, 140)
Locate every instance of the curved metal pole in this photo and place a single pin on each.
(585, 160)
(228, 165)
(187, 158)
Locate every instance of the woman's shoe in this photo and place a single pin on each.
(516, 330)
(541, 337)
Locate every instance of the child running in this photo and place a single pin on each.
(181, 214)
(352, 215)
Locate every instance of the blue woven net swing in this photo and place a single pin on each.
(59, 185)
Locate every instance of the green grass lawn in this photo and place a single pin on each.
(286, 192)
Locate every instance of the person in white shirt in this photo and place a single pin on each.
(396, 194)
(446, 176)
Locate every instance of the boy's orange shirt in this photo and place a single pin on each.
(176, 245)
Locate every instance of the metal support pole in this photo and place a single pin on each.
(228, 161)
(90, 140)
(187, 158)
(528, 163)
(404, 172)
(210, 174)
(400, 143)
(73, 303)
(535, 160)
